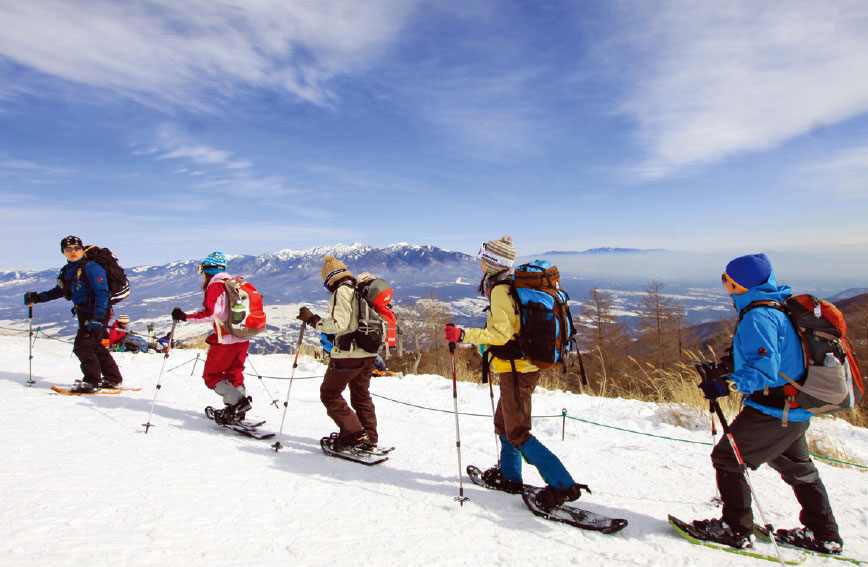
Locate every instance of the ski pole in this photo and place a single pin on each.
(258, 375)
(148, 425)
(727, 432)
(277, 446)
(460, 498)
(30, 380)
(486, 377)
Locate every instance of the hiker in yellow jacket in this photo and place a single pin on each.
(518, 378)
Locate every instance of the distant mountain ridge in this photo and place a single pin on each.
(605, 250)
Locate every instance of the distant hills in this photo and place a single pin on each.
(597, 251)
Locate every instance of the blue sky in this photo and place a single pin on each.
(167, 129)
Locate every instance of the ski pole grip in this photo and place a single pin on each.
(30, 311)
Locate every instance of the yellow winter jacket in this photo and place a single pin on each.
(503, 324)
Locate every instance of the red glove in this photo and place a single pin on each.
(453, 334)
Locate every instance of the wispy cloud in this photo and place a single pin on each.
(718, 78)
(176, 51)
(845, 174)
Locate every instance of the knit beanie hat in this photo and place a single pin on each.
(749, 271)
(497, 255)
(124, 319)
(70, 241)
(333, 271)
(214, 263)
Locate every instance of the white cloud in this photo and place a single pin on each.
(846, 174)
(172, 51)
(718, 78)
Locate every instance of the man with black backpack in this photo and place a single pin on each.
(85, 283)
(766, 346)
(518, 378)
(350, 364)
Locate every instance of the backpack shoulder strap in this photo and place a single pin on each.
(782, 307)
(754, 304)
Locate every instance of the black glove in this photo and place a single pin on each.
(306, 315)
(94, 326)
(178, 315)
(714, 388)
(718, 371)
(31, 297)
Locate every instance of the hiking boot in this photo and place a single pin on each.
(494, 478)
(243, 406)
(233, 413)
(106, 383)
(550, 497)
(721, 532)
(82, 387)
(805, 538)
(355, 441)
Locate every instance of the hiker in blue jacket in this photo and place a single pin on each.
(769, 429)
(85, 284)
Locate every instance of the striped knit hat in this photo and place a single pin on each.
(124, 319)
(497, 255)
(333, 271)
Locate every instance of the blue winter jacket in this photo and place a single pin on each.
(766, 343)
(90, 292)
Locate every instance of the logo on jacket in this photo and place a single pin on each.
(99, 280)
(762, 351)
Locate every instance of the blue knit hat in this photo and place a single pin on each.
(749, 271)
(214, 263)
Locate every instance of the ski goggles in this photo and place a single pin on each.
(72, 249)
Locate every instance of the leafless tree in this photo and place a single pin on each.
(662, 322)
(421, 327)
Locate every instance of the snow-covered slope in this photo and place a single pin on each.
(82, 484)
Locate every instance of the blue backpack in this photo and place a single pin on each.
(547, 329)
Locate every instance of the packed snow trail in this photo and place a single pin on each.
(81, 484)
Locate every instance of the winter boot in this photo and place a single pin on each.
(495, 479)
(82, 387)
(106, 383)
(550, 497)
(805, 538)
(355, 441)
(243, 406)
(719, 531)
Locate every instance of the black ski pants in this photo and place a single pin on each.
(96, 361)
(761, 439)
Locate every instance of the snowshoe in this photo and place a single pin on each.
(805, 539)
(720, 532)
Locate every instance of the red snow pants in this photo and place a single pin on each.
(225, 362)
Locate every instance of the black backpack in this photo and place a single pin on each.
(118, 284)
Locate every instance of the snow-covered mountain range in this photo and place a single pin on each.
(289, 278)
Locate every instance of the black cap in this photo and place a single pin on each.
(70, 241)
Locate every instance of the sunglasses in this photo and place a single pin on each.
(72, 249)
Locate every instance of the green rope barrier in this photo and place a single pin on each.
(563, 416)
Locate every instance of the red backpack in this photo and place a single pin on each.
(247, 317)
(833, 380)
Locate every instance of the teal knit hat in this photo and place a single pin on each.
(214, 263)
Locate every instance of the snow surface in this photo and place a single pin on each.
(82, 484)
